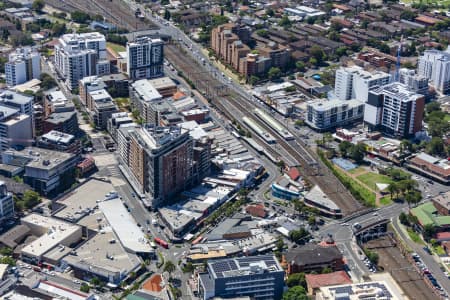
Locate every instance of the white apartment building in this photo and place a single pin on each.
(354, 82)
(395, 110)
(23, 65)
(326, 114)
(6, 203)
(415, 82)
(15, 128)
(81, 55)
(435, 65)
(145, 58)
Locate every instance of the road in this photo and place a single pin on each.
(429, 260)
(343, 235)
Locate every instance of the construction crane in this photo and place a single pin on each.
(397, 65)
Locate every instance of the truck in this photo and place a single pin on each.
(161, 242)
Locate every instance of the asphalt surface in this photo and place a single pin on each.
(429, 260)
(343, 235)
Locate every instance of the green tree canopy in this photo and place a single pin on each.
(295, 293)
(274, 73)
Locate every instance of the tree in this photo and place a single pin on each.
(295, 293)
(327, 270)
(296, 279)
(433, 106)
(341, 51)
(428, 231)
(285, 22)
(274, 73)
(405, 145)
(344, 148)
(384, 48)
(31, 198)
(281, 164)
(188, 267)
(6, 251)
(262, 33)
(169, 267)
(393, 189)
(8, 260)
(403, 219)
(58, 29)
(38, 5)
(95, 281)
(47, 81)
(80, 17)
(84, 288)
(317, 52)
(413, 197)
(436, 146)
(357, 153)
(253, 79)
(166, 14)
(297, 236)
(372, 256)
(300, 66)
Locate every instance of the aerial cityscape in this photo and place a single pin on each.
(224, 149)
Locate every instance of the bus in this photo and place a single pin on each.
(161, 242)
(197, 240)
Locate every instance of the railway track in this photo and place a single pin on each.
(114, 11)
(315, 171)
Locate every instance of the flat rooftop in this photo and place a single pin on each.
(124, 226)
(162, 82)
(54, 233)
(146, 90)
(83, 198)
(239, 266)
(316, 195)
(42, 158)
(175, 218)
(58, 137)
(105, 254)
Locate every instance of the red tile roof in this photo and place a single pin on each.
(315, 281)
(256, 210)
(443, 236)
(293, 173)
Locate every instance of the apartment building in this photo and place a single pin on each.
(415, 82)
(145, 57)
(23, 65)
(355, 83)
(257, 277)
(395, 110)
(16, 128)
(6, 203)
(81, 55)
(278, 54)
(160, 161)
(144, 96)
(435, 65)
(89, 84)
(327, 114)
(101, 107)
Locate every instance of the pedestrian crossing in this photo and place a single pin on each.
(113, 170)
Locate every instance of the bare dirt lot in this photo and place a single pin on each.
(392, 261)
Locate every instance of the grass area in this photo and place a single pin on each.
(357, 170)
(386, 200)
(123, 102)
(371, 179)
(439, 250)
(116, 47)
(415, 237)
(360, 192)
(447, 117)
